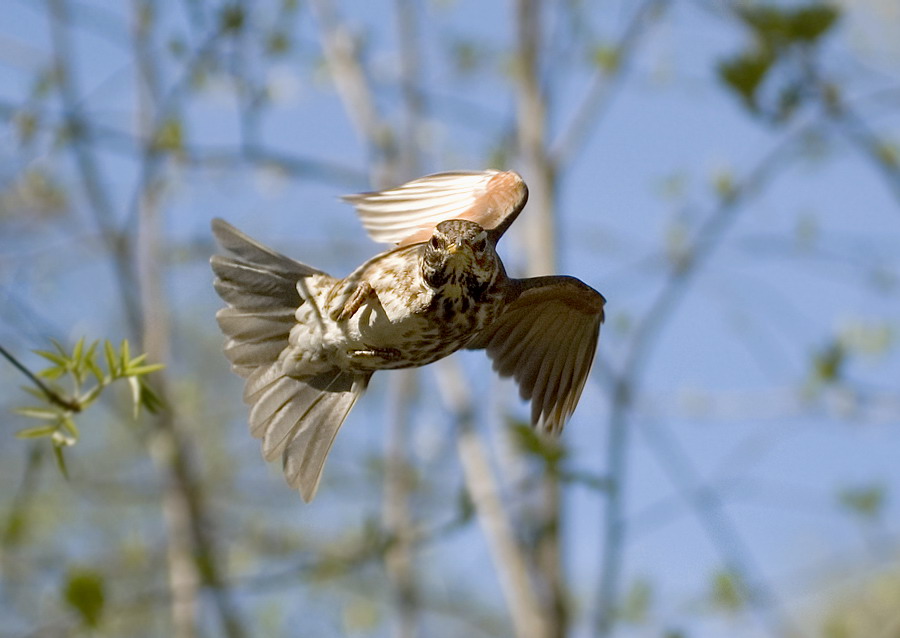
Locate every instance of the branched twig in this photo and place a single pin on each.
(194, 557)
(80, 132)
(356, 95)
(52, 396)
(599, 96)
(645, 336)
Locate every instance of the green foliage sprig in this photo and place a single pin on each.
(783, 38)
(87, 374)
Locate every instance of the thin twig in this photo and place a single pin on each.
(81, 134)
(645, 336)
(356, 95)
(194, 556)
(50, 393)
(599, 96)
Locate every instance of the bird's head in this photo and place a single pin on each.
(457, 249)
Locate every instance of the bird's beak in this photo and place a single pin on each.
(453, 248)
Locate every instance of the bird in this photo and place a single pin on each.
(307, 343)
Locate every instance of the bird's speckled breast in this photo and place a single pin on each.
(405, 324)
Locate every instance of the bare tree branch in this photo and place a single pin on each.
(192, 552)
(538, 238)
(509, 559)
(626, 385)
(356, 94)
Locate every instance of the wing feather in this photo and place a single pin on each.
(546, 340)
(408, 213)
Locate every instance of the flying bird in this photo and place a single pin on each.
(307, 343)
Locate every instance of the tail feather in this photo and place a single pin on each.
(240, 295)
(255, 352)
(260, 286)
(295, 418)
(258, 380)
(253, 325)
(309, 444)
(299, 419)
(250, 251)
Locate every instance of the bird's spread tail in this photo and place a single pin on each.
(297, 418)
(260, 287)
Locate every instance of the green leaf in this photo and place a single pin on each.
(169, 136)
(124, 355)
(150, 399)
(232, 18)
(728, 591)
(38, 413)
(35, 392)
(828, 363)
(635, 607)
(867, 501)
(96, 371)
(528, 440)
(60, 460)
(27, 124)
(84, 592)
(607, 58)
(36, 433)
(135, 362)
(744, 73)
(768, 21)
(467, 55)
(59, 348)
(91, 352)
(278, 43)
(888, 153)
(69, 425)
(147, 369)
(60, 360)
(111, 359)
(52, 373)
(809, 23)
(78, 350)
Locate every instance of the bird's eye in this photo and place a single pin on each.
(435, 242)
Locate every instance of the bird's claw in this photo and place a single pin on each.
(362, 293)
(388, 354)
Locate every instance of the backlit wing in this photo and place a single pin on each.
(407, 214)
(546, 340)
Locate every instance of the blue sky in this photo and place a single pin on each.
(739, 345)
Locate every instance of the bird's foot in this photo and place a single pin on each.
(360, 295)
(388, 354)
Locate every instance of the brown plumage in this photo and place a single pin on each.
(307, 343)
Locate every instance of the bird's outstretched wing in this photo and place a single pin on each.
(407, 214)
(546, 339)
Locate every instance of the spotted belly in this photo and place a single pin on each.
(441, 328)
(404, 324)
